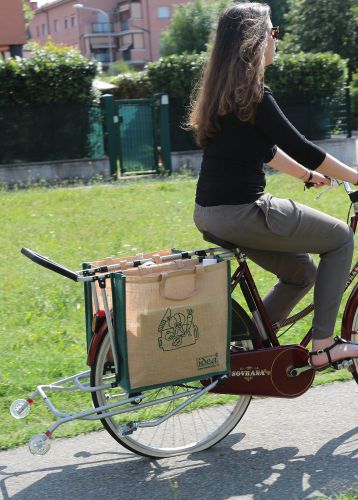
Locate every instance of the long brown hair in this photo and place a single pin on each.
(233, 78)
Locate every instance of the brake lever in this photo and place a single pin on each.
(334, 184)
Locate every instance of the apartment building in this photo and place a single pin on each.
(12, 28)
(108, 30)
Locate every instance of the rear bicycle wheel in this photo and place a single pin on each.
(197, 427)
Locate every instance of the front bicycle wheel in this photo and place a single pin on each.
(197, 427)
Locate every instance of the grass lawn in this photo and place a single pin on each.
(42, 334)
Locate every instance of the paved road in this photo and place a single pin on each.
(312, 453)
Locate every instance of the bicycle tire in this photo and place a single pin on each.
(212, 418)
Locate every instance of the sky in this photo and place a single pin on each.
(41, 2)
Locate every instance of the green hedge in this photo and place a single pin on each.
(131, 86)
(289, 76)
(294, 78)
(51, 75)
(48, 107)
(295, 75)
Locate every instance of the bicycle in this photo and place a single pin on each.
(187, 417)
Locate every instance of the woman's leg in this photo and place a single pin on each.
(279, 225)
(296, 274)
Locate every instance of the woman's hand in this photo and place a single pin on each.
(318, 180)
(284, 163)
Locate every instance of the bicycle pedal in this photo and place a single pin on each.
(127, 429)
(346, 363)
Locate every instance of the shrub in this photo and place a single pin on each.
(119, 67)
(294, 75)
(131, 86)
(176, 75)
(51, 75)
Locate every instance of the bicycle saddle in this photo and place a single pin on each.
(218, 241)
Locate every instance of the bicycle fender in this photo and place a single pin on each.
(95, 344)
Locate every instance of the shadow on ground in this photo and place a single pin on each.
(219, 473)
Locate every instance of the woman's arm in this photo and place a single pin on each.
(338, 170)
(294, 149)
(273, 123)
(284, 163)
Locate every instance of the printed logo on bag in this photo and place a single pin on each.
(207, 361)
(177, 330)
(249, 372)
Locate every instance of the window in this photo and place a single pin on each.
(138, 41)
(136, 10)
(56, 25)
(43, 29)
(37, 30)
(73, 21)
(164, 12)
(123, 20)
(66, 24)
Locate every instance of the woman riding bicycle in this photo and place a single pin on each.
(240, 126)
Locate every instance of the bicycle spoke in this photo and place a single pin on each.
(198, 425)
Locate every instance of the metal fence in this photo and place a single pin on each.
(50, 132)
(320, 116)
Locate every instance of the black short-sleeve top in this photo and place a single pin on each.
(232, 170)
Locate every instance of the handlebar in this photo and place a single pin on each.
(49, 264)
(353, 194)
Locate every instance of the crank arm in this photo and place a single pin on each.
(292, 371)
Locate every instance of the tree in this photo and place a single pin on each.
(28, 13)
(193, 22)
(191, 26)
(323, 26)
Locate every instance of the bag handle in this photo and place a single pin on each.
(165, 276)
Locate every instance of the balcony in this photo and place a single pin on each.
(102, 57)
(102, 27)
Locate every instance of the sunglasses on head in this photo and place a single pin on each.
(275, 31)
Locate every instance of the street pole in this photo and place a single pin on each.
(106, 14)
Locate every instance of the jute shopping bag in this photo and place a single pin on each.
(124, 262)
(172, 326)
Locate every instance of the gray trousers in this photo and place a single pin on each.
(278, 234)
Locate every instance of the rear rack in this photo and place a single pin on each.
(97, 273)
